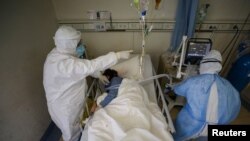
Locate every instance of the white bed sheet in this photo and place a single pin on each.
(131, 116)
(130, 69)
(139, 118)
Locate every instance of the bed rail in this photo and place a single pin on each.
(95, 90)
(160, 97)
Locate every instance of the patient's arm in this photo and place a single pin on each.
(112, 92)
(111, 95)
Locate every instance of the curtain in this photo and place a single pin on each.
(185, 22)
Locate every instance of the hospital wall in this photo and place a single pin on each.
(222, 11)
(26, 31)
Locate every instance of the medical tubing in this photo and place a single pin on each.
(141, 62)
(153, 77)
(113, 87)
(242, 27)
(142, 82)
(143, 46)
(224, 50)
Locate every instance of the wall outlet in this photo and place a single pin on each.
(212, 27)
(100, 26)
(122, 26)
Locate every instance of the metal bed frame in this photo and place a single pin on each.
(95, 90)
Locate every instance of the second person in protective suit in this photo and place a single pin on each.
(211, 100)
(65, 83)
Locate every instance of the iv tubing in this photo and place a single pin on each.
(143, 82)
(143, 46)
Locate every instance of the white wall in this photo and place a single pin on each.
(228, 11)
(26, 31)
(121, 9)
(100, 43)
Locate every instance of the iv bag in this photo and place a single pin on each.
(144, 5)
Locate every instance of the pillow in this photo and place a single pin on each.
(129, 68)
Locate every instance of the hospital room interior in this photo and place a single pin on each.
(161, 34)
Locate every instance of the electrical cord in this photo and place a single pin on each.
(232, 48)
(237, 30)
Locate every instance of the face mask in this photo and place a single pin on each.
(80, 50)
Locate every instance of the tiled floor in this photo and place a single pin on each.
(242, 119)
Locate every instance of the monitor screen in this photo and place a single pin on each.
(196, 50)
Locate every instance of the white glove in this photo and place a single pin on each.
(103, 79)
(123, 54)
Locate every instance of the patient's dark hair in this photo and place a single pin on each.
(109, 73)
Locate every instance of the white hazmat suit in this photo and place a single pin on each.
(64, 80)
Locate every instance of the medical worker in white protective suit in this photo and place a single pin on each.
(211, 100)
(64, 80)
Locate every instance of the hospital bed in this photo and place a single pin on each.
(114, 122)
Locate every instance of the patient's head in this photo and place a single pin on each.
(109, 73)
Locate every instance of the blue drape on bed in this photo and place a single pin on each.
(185, 21)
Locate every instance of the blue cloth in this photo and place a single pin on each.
(192, 118)
(185, 21)
(112, 93)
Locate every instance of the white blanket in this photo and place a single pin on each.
(129, 117)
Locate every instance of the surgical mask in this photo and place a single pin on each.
(80, 51)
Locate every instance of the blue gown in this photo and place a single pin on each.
(192, 118)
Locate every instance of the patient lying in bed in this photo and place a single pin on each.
(129, 117)
(111, 89)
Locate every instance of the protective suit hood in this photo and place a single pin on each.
(211, 63)
(66, 39)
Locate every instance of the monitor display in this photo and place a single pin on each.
(196, 49)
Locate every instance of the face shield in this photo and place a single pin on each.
(66, 39)
(211, 63)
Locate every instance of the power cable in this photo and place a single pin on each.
(232, 48)
(237, 30)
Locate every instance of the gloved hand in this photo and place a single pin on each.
(103, 79)
(123, 54)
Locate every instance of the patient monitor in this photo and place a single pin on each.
(197, 48)
(192, 51)
(187, 59)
